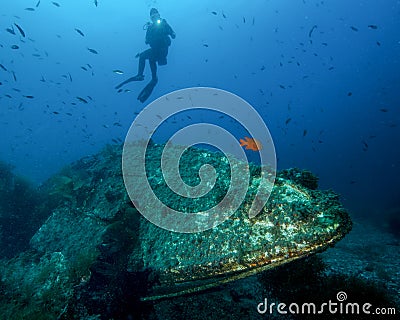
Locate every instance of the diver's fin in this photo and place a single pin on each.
(135, 78)
(148, 89)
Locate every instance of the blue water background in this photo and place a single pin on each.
(340, 82)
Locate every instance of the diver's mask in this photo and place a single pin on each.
(155, 18)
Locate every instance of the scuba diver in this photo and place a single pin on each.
(158, 33)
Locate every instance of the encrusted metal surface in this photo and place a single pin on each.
(295, 223)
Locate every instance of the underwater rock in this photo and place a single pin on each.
(99, 220)
(301, 177)
(21, 211)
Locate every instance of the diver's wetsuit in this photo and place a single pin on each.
(158, 37)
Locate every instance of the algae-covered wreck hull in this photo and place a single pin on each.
(96, 244)
(296, 223)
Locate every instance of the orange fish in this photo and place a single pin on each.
(251, 144)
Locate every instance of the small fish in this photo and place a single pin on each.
(205, 45)
(80, 32)
(354, 28)
(304, 132)
(365, 145)
(373, 26)
(37, 4)
(95, 3)
(21, 31)
(56, 112)
(311, 31)
(14, 76)
(262, 68)
(378, 43)
(349, 94)
(68, 113)
(384, 110)
(14, 46)
(223, 15)
(117, 71)
(84, 68)
(214, 13)
(82, 99)
(282, 86)
(244, 20)
(10, 30)
(55, 3)
(3, 67)
(30, 9)
(29, 97)
(254, 21)
(251, 144)
(92, 51)
(288, 120)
